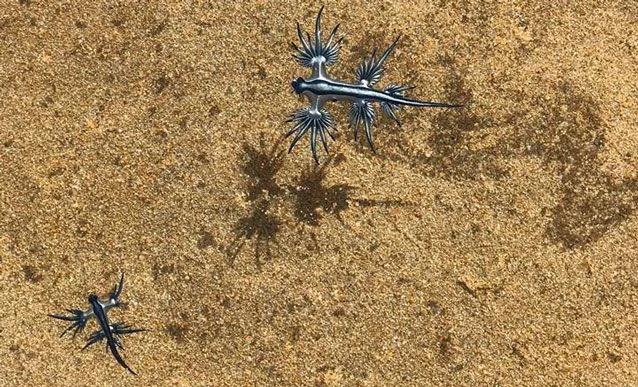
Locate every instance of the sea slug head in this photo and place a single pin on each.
(298, 85)
(92, 298)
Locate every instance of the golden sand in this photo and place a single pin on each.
(491, 245)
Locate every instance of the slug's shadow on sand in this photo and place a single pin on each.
(310, 197)
(311, 194)
(260, 226)
(261, 165)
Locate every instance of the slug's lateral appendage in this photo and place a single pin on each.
(117, 290)
(318, 122)
(117, 329)
(77, 319)
(363, 111)
(370, 70)
(315, 54)
(390, 109)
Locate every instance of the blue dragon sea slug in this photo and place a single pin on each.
(320, 88)
(99, 310)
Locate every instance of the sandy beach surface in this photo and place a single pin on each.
(492, 245)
